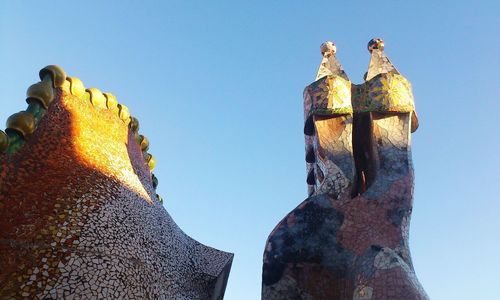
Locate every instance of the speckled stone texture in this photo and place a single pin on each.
(349, 239)
(80, 219)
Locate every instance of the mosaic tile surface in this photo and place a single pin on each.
(349, 239)
(79, 216)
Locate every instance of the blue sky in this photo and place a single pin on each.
(217, 88)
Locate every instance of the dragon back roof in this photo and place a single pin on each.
(54, 85)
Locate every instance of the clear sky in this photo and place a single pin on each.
(217, 88)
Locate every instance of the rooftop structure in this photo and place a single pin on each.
(349, 239)
(79, 214)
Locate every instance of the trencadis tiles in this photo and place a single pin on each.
(79, 214)
(349, 239)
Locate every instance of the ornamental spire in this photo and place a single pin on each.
(329, 64)
(379, 62)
